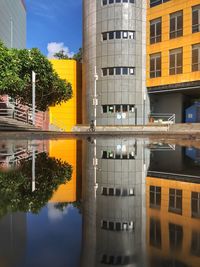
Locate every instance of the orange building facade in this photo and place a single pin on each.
(173, 55)
(173, 222)
(66, 115)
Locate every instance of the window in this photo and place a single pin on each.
(118, 109)
(111, 108)
(118, 35)
(118, 71)
(111, 35)
(117, 191)
(155, 233)
(131, 71)
(155, 31)
(196, 19)
(124, 71)
(155, 65)
(104, 107)
(109, 2)
(117, 226)
(104, 72)
(157, 2)
(195, 205)
(104, 2)
(196, 57)
(176, 24)
(111, 71)
(125, 35)
(175, 236)
(175, 201)
(124, 108)
(155, 196)
(195, 244)
(176, 61)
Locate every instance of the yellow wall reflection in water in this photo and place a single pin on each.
(173, 221)
(65, 150)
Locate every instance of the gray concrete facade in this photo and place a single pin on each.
(114, 212)
(13, 23)
(114, 40)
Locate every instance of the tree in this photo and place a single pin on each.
(79, 55)
(16, 67)
(61, 55)
(15, 186)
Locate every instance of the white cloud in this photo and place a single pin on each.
(55, 214)
(54, 47)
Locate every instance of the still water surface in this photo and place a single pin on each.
(99, 202)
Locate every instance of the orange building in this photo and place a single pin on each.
(173, 55)
(70, 152)
(66, 115)
(173, 221)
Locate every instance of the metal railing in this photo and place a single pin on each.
(23, 114)
(162, 118)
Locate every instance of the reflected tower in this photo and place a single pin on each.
(114, 202)
(114, 49)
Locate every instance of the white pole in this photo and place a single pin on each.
(95, 96)
(33, 168)
(11, 32)
(95, 163)
(33, 96)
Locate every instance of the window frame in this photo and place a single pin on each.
(196, 47)
(176, 67)
(176, 33)
(157, 38)
(155, 73)
(196, 26)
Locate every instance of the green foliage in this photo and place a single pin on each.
(16, 68)
(16, 186)
(61, 55)
(79, 55)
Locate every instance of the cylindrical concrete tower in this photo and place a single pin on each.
(114, 42)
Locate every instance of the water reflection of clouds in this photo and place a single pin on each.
(55, 214)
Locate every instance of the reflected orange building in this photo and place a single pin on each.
(173, 221)
(66, 150)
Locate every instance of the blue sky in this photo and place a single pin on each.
(53, 25)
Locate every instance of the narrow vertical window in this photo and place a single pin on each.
(196, 19)
(155, 65)
(176, 24)
(195, 205)
(155, 233)
(155, 31)
(155, 196)
(196, 57)
(175, 201)
(176, 61)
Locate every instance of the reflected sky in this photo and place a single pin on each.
(127, 202)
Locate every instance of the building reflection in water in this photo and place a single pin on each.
(173, 208)
(114, 212)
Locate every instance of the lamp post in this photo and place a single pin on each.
(33, 96)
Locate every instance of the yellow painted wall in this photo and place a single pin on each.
(66, 151)
(186, 41)
(65, 115)
(188, 223)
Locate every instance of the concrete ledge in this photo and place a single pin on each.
(124, 129)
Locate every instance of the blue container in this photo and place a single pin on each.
(193, 113)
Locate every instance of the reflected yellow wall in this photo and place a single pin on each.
(66, 115)
(66, 151)
(167, 44)
(165, 217)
